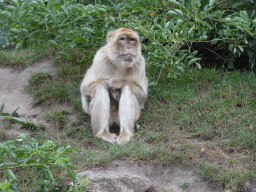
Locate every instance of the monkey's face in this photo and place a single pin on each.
(125, 47)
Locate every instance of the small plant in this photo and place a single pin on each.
(184, 184)
(58, 117)
(38, 79)
(11, 116)
(24, 124)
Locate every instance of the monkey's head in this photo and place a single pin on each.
(124, 47)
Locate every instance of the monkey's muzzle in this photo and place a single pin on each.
(128, 57)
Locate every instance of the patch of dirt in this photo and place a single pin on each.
(163, 178)
(12, 84)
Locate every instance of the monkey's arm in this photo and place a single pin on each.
(89, 88)
(139, 89)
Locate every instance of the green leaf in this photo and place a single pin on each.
(36, 33)
(46, 183)
(4, 41)
(9, 164)
(65, 9)
(18, 45)
(174, 2)
(13, 113)
(41, 2)
(202, 38)
(15, 3)
(111, 19)
(6, 14)
(24, 5)
(11, 174)
(198, 65)
(31, 161)
(16, 31)
(211, 2)
(195, 52)
(71, 165)
(172, 13)
(190, 31)
(55, 7)
(214, 41)
(24, 30)
(50, 175)
(22, 137)
(17, 120)
(1, 108)
(72, 175)
(21, 154)
(194, 60)
(53, 42)
(5, 186)
(179, 12)
(102, 10)
(87, 29)
(12, 8)
(180, 68)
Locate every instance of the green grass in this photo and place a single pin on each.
(205, 120)
(28, 55)
(59, 118)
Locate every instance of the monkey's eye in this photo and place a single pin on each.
(122, 38)
(134, 40)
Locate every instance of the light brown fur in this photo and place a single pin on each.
(114, 88)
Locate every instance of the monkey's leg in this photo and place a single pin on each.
(129, 112)
(99, 112)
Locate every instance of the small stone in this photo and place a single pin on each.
(109, 181)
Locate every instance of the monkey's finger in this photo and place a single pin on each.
(109, 83)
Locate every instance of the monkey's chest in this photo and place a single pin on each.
(120, 74)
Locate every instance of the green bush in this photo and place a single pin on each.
(21, 155)
(56, 21)
(171, 31)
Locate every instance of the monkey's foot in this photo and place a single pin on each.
(109, 137)
(124, 137)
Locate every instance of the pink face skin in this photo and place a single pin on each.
(127, 47)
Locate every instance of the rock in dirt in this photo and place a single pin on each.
(119, 179)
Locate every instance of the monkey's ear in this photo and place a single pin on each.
(109, 36)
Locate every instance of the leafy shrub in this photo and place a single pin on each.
(175, 34)
(20, 155)
(23, 21)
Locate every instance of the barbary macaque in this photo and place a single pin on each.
(115, 87)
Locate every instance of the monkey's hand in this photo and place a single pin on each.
(118, 83)
(91, 87)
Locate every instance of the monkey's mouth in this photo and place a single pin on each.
(128, 57)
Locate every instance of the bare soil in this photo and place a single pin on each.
(12, 83)
(13, 80)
